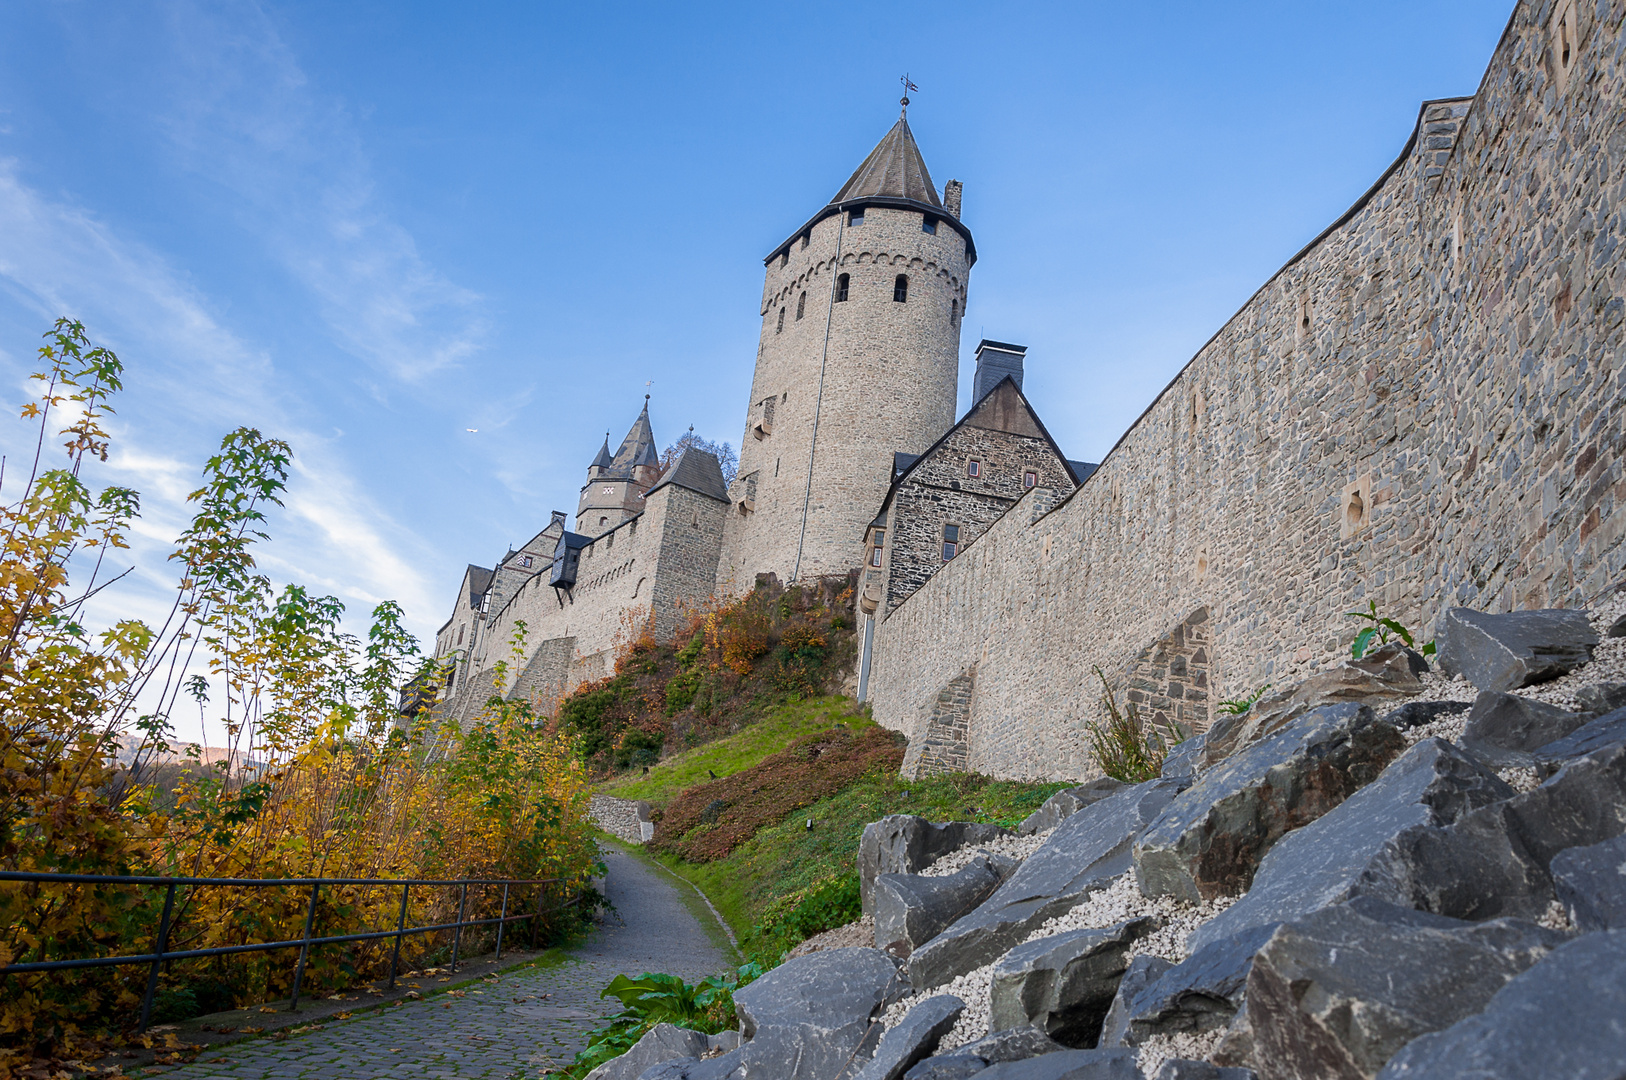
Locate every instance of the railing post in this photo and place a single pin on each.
(400, 925)
(502, 921)
(304, 948)
(158, 958)
(536, 920)
(457, 939)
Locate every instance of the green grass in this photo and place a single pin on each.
(727, 756)
(787, 857)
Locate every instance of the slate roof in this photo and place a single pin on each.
(479, 581)
(696, 470)
(894, 168)
(604, 460)
(1082, 469)
(638, 448)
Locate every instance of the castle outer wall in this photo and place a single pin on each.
(1423, 409)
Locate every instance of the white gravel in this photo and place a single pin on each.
(1157, 1049)
(1121, 900)
(1012, 847)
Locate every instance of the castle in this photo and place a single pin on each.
(1421, 409)
(850, 438)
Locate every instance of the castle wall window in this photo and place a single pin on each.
(951, 541)
(805, 238)
(900, 289)
(526, 561)
(954, 309)
(875, 551)
(841, 287)
(784, 258)
(460, 630)
(603, 521)
(801, 305)
(973, 468)
(781, 327)
(1030, 479)
(928, 224)
(855, 217)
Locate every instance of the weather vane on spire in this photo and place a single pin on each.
(907, 87)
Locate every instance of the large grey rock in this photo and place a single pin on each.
(1184, 1069)
(1591, 883)
(1185, 758)
(1201, 993)
(1143, 971)
(1348, 850)
(1085, 852)
(912, 909)
(1064, 804)
(1494, 861)
(808, 1018)
(914, 1038)
(1519, 648)
(726, 1067)
(1069, 1065)
(1210, 840)
(1565, 1017)
(1503, 726)
(1594, 735)
(1063, 984)
(1015, 1044)
(1384, 675)
(1601, 698)
(906, 844)
(663, 1042)
(1336, 993)
(1417, 713)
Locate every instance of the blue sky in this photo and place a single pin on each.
(368, 227)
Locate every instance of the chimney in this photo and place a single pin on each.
(951, 198)
(558, 519)
(995, 360)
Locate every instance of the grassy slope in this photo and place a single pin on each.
(727, 756)
(790, 856)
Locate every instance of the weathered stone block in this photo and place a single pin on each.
(1519, 648)
(1210, 840)
(1591, 883)
(806, 1019)
(907, 844)
(914, 1038)
(912, 909)
(1063, 984)
(1064, 804)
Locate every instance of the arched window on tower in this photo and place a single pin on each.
(801, 305)
(954, 309)
(781, 327)
(900, 289)
(841, 287)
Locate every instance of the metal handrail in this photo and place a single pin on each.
(162, 954)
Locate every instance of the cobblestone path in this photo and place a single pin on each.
(503, 1027)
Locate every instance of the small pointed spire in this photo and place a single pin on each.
(603, 460)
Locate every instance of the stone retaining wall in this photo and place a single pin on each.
(1422, 409)
(624, 818)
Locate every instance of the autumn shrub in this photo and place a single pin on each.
(322, 778)
(767, 792)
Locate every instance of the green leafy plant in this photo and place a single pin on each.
(1381, 628)
(655, 998)
(826, 904)
(1123, 747)
(1238, 706)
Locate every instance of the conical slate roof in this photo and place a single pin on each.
(894, 168)
(604, 460)
(637, 447)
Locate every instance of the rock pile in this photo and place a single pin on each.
(1341, 883)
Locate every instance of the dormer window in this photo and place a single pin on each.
(855, 217)
(877, 541)
(928, 224)
(951, 541)
(973, 468)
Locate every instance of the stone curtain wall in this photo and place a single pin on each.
(1168, 682)
(1422, 409)
(939, 492)
(625, 819)
(941, 745)
(889, 384)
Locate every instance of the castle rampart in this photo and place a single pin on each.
(1422, 409)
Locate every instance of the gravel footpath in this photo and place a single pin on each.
(511, 1026)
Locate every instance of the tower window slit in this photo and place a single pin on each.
(801, 305)
(900, 289)
(928, 224)
(781, 327)
(841, 287)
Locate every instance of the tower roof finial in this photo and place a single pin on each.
(903, 113)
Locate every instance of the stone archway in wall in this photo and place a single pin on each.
(1168, 683)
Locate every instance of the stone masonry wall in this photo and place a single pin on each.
(1168, 682)
(888, 384)
(941, 744)
(1422, 409)
(938, 492)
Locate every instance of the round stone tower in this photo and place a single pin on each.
(857, 361)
